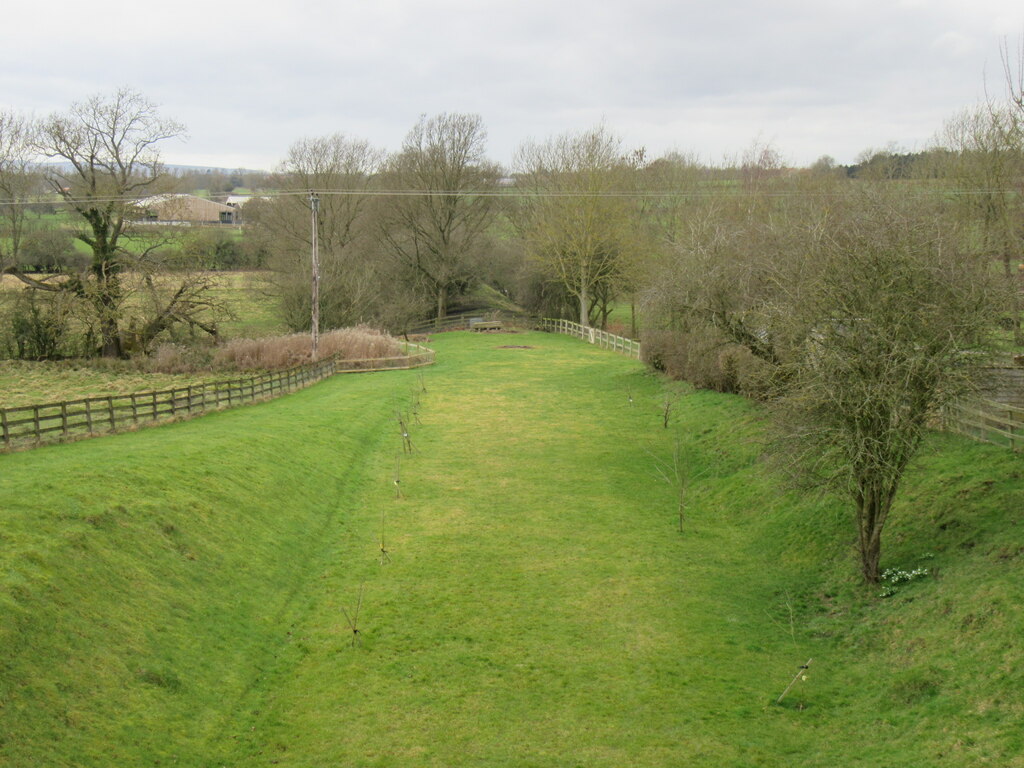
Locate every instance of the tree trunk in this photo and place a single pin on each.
(111, 338)
(106, 304)
(584, 307)
(873, 505)
(870, 558)
(1014, 277)
(442, 302)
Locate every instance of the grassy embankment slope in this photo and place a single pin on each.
(179, 594)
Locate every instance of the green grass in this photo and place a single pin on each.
(247, 296)
(26, 382)
(177, 595)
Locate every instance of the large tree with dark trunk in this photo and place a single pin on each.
(103, 157)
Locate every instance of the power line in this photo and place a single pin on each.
(511, 193)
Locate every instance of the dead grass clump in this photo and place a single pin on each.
(179, 358)
(361, 342)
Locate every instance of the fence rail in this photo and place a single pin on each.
(593, 336)
(464, 321)
(48, 422)
(988, 421)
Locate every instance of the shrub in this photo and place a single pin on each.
(38, 327)
(179, 358)
(48, 250)
(705, 361)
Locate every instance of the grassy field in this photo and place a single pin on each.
(246, 295)
(182, 595)
(243, 293)
(28, 382)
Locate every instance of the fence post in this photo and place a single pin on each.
(110, 413)
(4, 427)
(64, 418)
(88, 414)
(35, 422)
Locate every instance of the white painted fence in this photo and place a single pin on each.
(594, 336)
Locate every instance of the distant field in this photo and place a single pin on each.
(243, 292)
(27, 383)
(246, 295)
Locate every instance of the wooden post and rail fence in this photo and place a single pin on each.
(496, 320)
(987, 421)
(48, 422)
(595, 336)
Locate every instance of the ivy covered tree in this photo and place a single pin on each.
(103, 157)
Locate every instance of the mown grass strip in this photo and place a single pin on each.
(539, 606)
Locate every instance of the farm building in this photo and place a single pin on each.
(186, 209)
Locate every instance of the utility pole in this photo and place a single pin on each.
(314, 206)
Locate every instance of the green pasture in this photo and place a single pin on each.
(248, 309)
(186, 595)
(247, 296)
(28, 382)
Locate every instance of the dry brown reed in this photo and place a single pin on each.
(358, 343)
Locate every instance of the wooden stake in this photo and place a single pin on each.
(799, 675)
(353, 620)
(404, 428)
(384, 556)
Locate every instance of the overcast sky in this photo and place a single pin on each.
(704, 77)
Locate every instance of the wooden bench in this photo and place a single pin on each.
(485, 325)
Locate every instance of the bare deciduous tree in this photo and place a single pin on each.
(16, 183)
(985, 161)
(436, 224)
(341, 170)
(869, 313)
(574, 218)
(894, 326)
(735, 266)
